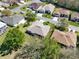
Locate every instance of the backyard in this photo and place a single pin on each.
(28, 38)
(3, 36)
(74, 23)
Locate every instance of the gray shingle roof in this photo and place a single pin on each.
(12, 20)
(38, 28)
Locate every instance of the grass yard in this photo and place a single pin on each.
(74, 23)
(47, 16)
(23, 29)
(13, 6)
(23, 8)
(28, 38)
(3, 36)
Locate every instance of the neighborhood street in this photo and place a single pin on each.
(54, 20)
(39, 29)
(17, 9)
(22, 5)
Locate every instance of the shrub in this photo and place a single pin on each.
(47, 16)
(12, 41)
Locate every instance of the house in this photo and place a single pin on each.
(61, 12)
(3, 28)
(68, 39)
(49, 8)
(4, 4)
(13, 20)
(34, 6)
(38, 28)
(75, 17)
(12, 1)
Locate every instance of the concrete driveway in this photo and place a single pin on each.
(74, 28)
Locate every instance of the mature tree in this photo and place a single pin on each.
(78, 39)
(62, 25)
(13, 40)
(30, 17)
(51, 49)
(64, 22)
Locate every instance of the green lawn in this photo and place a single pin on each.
(3, 36)
(13, 6)
(74, 23)
(47, 16)
(23, 29)
(28, 37)
(23, 8)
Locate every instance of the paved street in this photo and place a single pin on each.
(53, 20)
(17, 9)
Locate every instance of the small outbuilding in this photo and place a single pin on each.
(75, 17)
